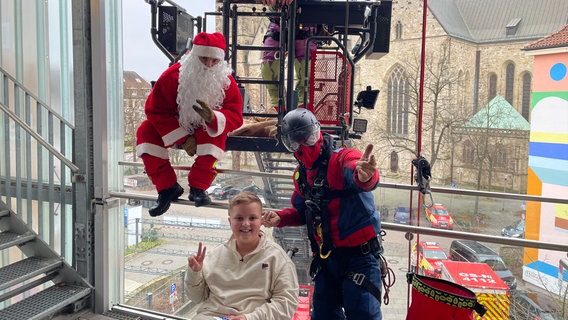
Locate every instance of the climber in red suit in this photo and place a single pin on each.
(192, 106)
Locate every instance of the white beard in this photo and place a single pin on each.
(198, 82)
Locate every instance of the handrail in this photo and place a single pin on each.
(219, 170)
(404, 228)
(479, 193)
(39, 138)
(563, 247)
(37, 99)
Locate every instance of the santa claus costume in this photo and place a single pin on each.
(175, 112)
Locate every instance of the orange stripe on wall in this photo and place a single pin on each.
(534, 187)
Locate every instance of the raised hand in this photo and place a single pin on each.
(195, 261)
(204, 111)
(367, 165)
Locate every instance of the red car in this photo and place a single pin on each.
(304, 303)
(430, 255)
(439, 216)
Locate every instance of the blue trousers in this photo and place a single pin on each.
(338, 297)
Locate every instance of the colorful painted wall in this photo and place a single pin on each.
(548, 167)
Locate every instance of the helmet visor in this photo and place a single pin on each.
(308, 136)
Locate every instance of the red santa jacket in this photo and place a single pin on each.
(162, 111)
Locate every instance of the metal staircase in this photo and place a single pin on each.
(35, 282)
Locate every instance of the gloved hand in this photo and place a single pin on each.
(204, 111)
(190, 146)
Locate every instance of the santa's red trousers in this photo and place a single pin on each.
(441, 299)
(160, 170)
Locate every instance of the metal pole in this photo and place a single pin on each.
(149, 300)
(182, 287)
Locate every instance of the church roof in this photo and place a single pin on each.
(555, 40)
(487, 21)
(498, 114)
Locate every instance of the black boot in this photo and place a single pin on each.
(199, 196)
(164, 198)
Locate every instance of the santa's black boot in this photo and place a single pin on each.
(165, 197)
(199, 196)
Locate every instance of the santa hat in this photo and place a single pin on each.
(211, 45)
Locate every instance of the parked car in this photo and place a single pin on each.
(429, 255)
(253, 188)
(228, 193)
(212, 188)
(473, 251)
(402, 215)
(219, 193)
(530, 305)
(439, 216)
(514, 230)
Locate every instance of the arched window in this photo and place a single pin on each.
(509, 82)
(492, 87)
(394, 162)
(467, 154)
(461, 89)
(526, 103)
(397, 103)
(398, 30)
(500, 158)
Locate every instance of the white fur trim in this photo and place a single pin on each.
(153, 150)
(221, 123)
(174, 136)
(207, 51)
(210, 149)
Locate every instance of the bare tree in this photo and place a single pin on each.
(441, 110)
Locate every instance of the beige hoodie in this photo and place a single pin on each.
(264, 285)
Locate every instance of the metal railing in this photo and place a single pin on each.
(37, 171)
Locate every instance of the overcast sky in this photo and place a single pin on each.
(140, 53)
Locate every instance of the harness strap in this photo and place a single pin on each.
(361, 280)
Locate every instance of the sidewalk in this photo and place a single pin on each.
(397, 259)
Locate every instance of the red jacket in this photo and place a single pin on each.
(353, 218)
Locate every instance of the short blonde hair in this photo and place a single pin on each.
(244, 197)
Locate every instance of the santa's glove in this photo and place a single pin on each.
(204, 111)
(190, 146)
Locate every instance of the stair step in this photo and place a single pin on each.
(26, 269)
(45, 303)
(9, 239)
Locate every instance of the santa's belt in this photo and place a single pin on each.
(445, 297)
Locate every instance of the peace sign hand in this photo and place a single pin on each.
(196, 261)
(367, 165)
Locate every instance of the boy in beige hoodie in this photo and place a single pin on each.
(250, 277)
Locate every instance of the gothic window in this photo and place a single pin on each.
(492, 86)
(467, 154)
(398, 30)
(461, 88)
(500, 160)
(526, 103)
(397, 103)
(394, 162)
(509, 82)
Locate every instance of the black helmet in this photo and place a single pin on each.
(299, 126)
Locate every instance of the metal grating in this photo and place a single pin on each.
(9, 239)
(330, 80)
(26, 269)
(44, 303)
